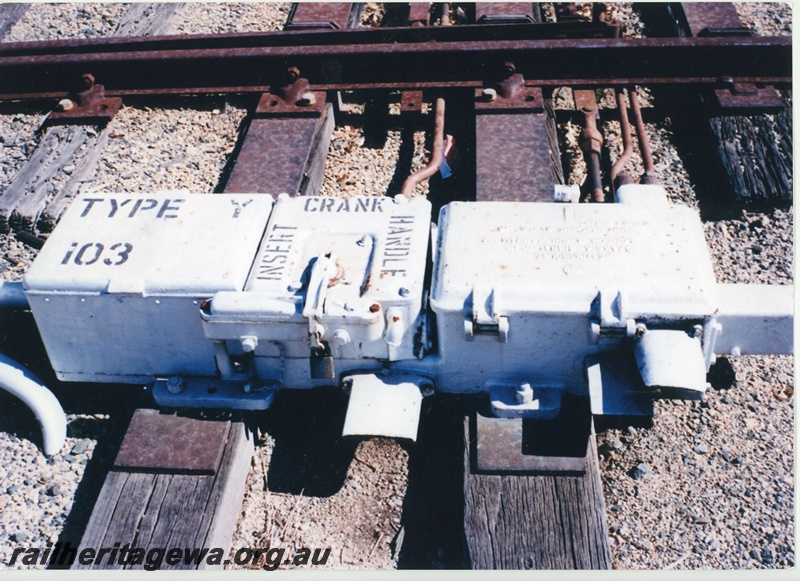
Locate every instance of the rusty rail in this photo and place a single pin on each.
(403, 58)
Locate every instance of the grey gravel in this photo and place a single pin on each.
(639, 471)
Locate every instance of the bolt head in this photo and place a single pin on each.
(249, 344)
(489, 94)
(175, 384)
(65, 105)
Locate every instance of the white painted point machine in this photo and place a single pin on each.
(222, 300)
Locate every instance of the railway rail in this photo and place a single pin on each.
(495, 76)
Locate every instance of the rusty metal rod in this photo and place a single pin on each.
(591, 141)
(436, 156)
(649, 175)
(618, 169)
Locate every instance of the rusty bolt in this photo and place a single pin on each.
(374, 308)
(509, 69)
(640, 329)
(87, 81)
(293, 73)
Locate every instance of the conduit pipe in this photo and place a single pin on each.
(436, 156)
(21, 383)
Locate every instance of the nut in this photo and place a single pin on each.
(175, 384)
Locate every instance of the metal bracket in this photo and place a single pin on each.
(484, 319)
(615, 386)
(385, 405)
(198, 392)
(504, 445)
(747, 96)
(525, 401)
(294, 99)
(89, 106)
(411, 102)
(509, 95)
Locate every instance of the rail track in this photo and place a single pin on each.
(496, 71)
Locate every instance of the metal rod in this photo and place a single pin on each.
(591, 141)
(445, 21)
(618, 169)
(436, 156)
(649, 175)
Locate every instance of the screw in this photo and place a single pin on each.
(374, 308)
(640, 330)
(404, 292)
(293, 73)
